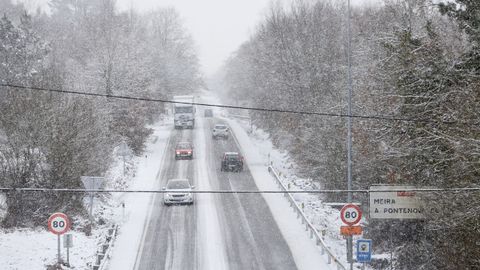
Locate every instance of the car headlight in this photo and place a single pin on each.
(178, 153)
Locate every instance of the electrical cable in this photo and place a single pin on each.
(70, 190)
(339, 115)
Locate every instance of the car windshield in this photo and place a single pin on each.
(184, 146)
(178, 184)
(183, 109)
(232, 156)
(220, 127)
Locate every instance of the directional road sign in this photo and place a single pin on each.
(364, 250)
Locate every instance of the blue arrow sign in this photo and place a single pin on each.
(364, 250)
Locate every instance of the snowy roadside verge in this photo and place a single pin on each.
(323, 217)
(304, 250)
(137, 205)
(37, 248)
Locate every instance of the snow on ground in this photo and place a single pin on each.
(34, 249)
(259, 152)
(137, 207)
(211, 246)
(324, 218)
(304, 250)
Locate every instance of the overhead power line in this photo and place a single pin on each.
(70, 190)
(6, 86)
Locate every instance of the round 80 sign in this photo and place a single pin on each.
(350, 214)
(58, 223)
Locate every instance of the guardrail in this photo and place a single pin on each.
(106, 249)
(308, 226)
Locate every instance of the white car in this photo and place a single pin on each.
(180, 192)
(220, 130)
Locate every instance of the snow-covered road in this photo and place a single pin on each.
(219, 231)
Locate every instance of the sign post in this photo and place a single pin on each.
(124, 151)
(92, 182)
(350, 214)
(58, 223)
(68, 243)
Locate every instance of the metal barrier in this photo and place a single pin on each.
(106, 249)
(308, 226)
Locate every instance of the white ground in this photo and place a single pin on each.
(34, 249)
(38, 247)
(136, 204)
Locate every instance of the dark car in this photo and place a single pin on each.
(232, 162)
(184, 150)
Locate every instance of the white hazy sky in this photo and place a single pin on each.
(218, 27)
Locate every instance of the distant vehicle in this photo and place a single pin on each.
(208, 113)
(232, 161)
(184, 113)
(220, 130)
(181, 192)
(184, 150)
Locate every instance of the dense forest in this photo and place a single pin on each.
(48, 139)
(415, 61)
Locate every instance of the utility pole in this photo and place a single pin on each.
(349, 131)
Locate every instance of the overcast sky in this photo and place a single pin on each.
(218, 27)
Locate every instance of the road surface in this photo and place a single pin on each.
(219, 231)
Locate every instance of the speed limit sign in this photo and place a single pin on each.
(58, 223)
(350, 214)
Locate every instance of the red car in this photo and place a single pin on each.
(184, 150)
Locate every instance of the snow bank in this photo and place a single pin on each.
(137, 205)
(304, 250)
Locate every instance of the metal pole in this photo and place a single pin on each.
(91, 205)
(391, 248)
(124, 165)
(349, 130)
(58, 249)
(68, 255)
